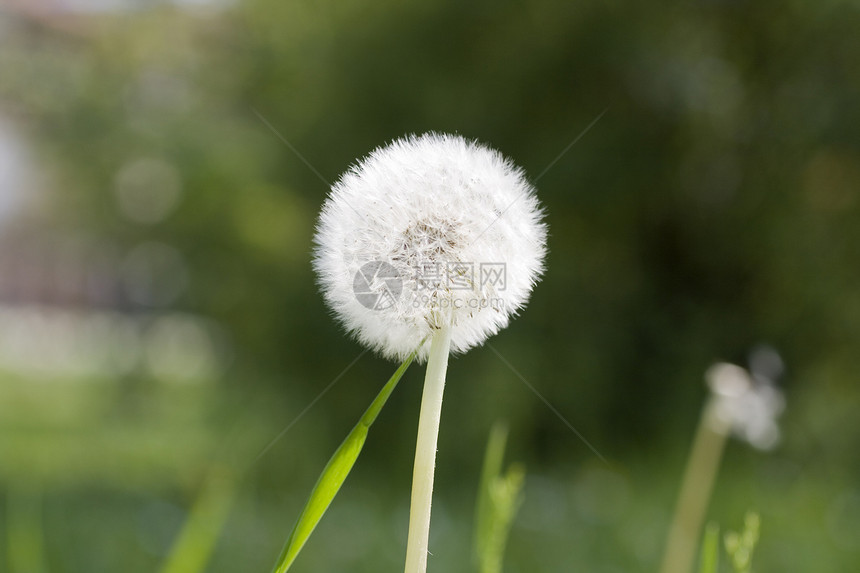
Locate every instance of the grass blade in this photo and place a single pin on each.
(194, 545)
(499, 498)
(335, 472)
(710, 549)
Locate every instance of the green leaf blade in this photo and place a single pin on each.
(335, 472)
(323, 493)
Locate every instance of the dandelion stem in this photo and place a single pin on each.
(425, 452)
(696, 488)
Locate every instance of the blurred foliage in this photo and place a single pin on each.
(714, 206)
(740, 546)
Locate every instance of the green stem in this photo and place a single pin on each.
(425, 452)
(696, 488)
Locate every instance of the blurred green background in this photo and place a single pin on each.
(159, 321)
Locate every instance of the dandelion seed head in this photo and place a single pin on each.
(425, 232)
(746, 405)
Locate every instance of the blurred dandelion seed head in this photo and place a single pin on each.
(745, 404)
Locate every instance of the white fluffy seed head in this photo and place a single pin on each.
(745, 404)
(425, 232)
